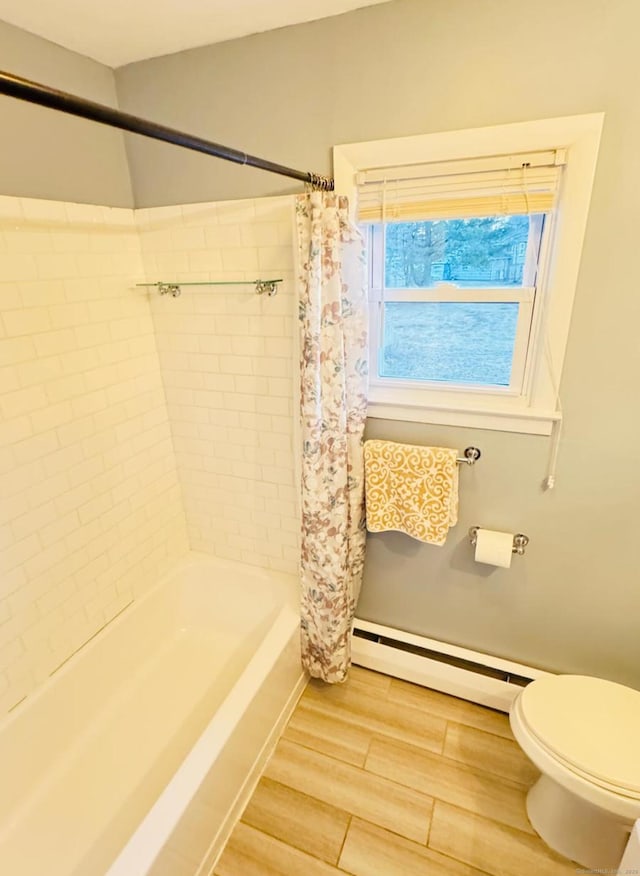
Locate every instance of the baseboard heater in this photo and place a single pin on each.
(470, 675)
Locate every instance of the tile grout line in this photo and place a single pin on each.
(430, 823)
(362, 768)
(514, 784)
(526, 833)
(368, 751)
(435, 799)
(287, 844)
(373, 732)
(455, 720)
(345, 811)
(453, 858)
(370, 737)
(310, 747)
(344, 840)
(483, 710)
(421, 711)
(444, 737)
(350, 815)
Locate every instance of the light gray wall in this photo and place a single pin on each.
(573, 603)
(45, 154)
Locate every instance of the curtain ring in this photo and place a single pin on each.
(319, 183)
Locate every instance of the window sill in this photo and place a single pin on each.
(525, 420)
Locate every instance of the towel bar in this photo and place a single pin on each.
(471, 456)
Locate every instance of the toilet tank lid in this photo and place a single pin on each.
(590, 723)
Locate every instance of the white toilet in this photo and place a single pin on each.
(583, 734)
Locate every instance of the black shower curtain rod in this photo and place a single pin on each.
(35, 92)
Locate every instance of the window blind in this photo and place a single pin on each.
(493, 186)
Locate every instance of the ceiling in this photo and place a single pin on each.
(118, 32)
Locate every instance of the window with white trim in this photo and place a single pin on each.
(456, 271)
(474, 241)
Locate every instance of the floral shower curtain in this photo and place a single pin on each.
(333, 384)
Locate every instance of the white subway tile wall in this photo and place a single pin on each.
(227, 361)
(90, 505)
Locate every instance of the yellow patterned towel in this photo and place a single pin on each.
(411, 489)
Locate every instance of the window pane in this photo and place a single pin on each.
(490, 251)
(454, 342)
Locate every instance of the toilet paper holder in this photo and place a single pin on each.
(520, 541)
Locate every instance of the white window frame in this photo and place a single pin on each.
(524, 296)
(533, 408)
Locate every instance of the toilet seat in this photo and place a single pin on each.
(589, 726)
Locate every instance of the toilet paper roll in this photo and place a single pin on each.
(494, 548)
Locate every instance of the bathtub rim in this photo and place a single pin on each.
(141, 851)
(191, 558)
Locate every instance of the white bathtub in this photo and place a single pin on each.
(139, 753)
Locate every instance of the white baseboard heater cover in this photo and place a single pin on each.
(470, 675)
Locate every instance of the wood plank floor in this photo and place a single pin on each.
(378, 777)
